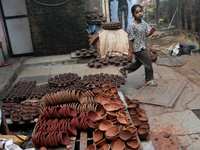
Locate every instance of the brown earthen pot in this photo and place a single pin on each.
(125, 135)
(105, 125)
(101, 118)
(122, 120)
(91, 147)
(133, 143)
(118, 144)
(109, 107)
(15, 119)
(7, 113)
(97, 135)
(27, 118)
(100, 110)
(112, 115)
(112, 131)
(102, 142)
(132, 129)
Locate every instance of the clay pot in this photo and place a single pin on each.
(35, 103)
(112, 115)
(125, 135)
(15, 119)
(27, 103)
(82, 98)
(112, 132)
(135, 101)
(8, 108)
(100, 110)
(91, 147)
(113, 89)
(122, 120)
(91, 115)
(102, 142)
(64, 138)
(108, 93)
(35, 115)
(143, 131)
(15, 113)
(132, 129)
(105, 100)
(136, 122)
(7, 113)
(101, 118)
(71, 130)
(27, 118)
(143, 119)
(105, 125)
(144, 125)
(132, 106)
(133, 143)
(105, 147)
(109, 107)
(118, 144)
(132, 111)
(141, 112)
(97, 90)
(97, 135)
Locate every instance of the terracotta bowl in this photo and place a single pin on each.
(125, 135)
(132, 106)
(118, 144)
(101, 118)
(27, 118)
(100, 110)
(97, 135)
(15, 113)
(122, 120)
(143, 131)
(105, 147)
(132, 129)
(109, 107)
(133, 143)
(135, 101)
(7, 113)
(136, 122)
(106, 84)
(105, 100)
(15, 119)
(105, 125)
(143, 119)
(112, 115)
(141, 112)
(91, 147)
(97, 90)
(113, 131)
(144, 125)
(102, 142)
(132, 111)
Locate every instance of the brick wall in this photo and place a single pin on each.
(59, 29)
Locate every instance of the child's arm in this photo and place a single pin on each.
(153, 29)
(130, 51)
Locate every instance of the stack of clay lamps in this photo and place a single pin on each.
(138, 117)
(65, 97)
(112, 123)
(63, 120)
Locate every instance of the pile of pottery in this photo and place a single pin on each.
(112, 61)
(86, 52)
(64, 79)
(65, 97)
(18, 92)
(39, 91)
(138, 117)
(112, 25)
(113, 127)
(62, 120)
(97, 80)
(95, 18)
(18, 112)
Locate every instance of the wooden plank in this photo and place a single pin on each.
(83, 140)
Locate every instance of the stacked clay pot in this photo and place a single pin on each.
(138, 117)
(65, 97)
(18, 112)
(112, 122)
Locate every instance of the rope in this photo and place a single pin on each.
(14, 133)
(51, 4)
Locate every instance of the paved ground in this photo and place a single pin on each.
(180, 119)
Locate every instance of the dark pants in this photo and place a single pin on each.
(141, 59)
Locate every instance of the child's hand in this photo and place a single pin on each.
(153, 29)
(130, 56)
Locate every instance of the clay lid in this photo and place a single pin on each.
(113, 131)
(122, 120)
(125, 135)
(133, 143)
(109, 107)
(97, 135)
(91, 147)
(118, 144)
(105, 125)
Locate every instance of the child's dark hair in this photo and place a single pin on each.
(134, 8)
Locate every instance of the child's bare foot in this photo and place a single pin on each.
(123, 72)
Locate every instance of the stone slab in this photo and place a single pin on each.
(194, 104)
(36, 60)
(197, 69)
(61, 57)
(73, 55)
(62, 69)
(178, 123)
(194, 145)
(171, 61)
(165, 94)
(35, 72)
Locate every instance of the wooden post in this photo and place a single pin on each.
(107, 11)
(179, 21)
(157, 18)
(103, 8)
(185, 18)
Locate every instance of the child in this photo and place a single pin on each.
(137, 33)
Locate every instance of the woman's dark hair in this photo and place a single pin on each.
(134, 8)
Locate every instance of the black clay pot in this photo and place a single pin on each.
(117, 63)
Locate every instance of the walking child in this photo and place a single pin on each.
(137, 33)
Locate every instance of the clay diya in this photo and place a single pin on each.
(97, 135)
(143, 131)
(105, 125)
(118, 144)
(91, 115)
(109, 107)
(143, 119)
(132, 129)
(15, 119)
(102, 142)
(125, 135)
(112, 115)
(105, 100)
(100, 110)
(91, 147)
(122, 120)
(133, 143)
(144, 125)
(105, 147)
(15, 113)
(141, 112)
(101, 118)
(112, 131)
(7, 113)
(27, 118)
